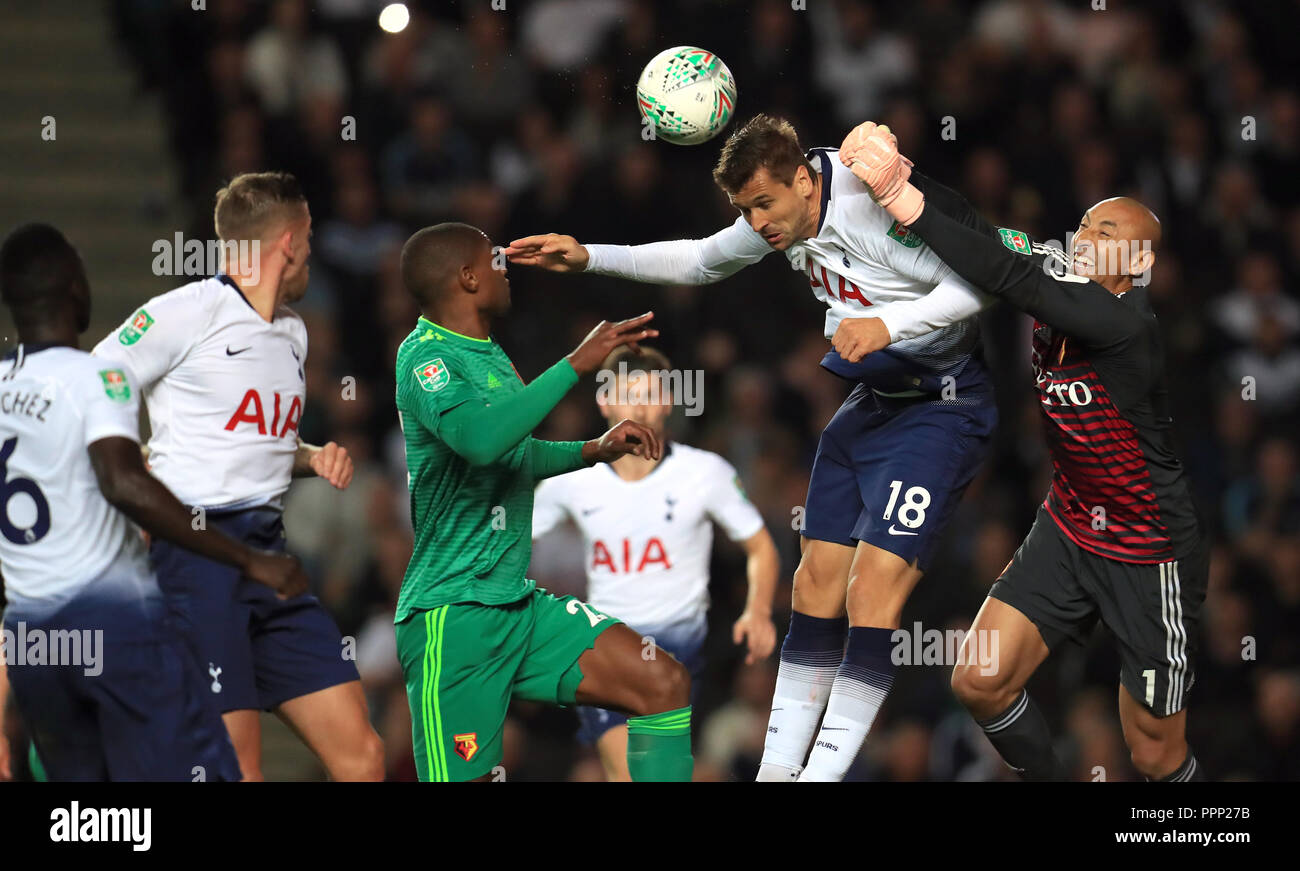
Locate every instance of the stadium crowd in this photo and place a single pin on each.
(523, 121)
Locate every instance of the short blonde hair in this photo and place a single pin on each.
(254, 203)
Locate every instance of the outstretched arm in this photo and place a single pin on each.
(481, 433)
(682, 261)
(1073, 304)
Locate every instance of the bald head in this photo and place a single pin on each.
(1143, 223)
(1116, 242)
(435, 258)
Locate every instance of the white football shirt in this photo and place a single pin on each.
(861, 263)
(224, 390)
(648, 542)
(58, 534)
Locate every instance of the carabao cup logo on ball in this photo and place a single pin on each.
(686, 95)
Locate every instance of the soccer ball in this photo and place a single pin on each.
(686, 94)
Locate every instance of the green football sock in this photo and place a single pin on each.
(659, 746)
(34, 765)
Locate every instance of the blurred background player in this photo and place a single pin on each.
(647, 529)
(220, 364)
(894, 461)
(473, 631)
(1117, 538)
(134, 705)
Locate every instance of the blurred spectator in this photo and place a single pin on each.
(286, 62)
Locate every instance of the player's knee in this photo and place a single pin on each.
(981, 692)
(1155, 758)
(364, 762)
(815, 589)
(370, 758)
(877, 593)
(667, 688)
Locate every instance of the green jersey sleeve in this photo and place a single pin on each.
(436, 385)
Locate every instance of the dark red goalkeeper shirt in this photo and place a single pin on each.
(1118, 486)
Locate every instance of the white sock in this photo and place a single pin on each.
(800, 698)
(861, 686)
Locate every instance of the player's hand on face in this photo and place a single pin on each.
(855, 338)
(549, 251)
(280, 571)
(628, 437)
(607, 336)
(760, 634)
(333, 463)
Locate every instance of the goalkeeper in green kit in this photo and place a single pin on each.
(472, 631)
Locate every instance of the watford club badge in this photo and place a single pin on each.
(466, 745)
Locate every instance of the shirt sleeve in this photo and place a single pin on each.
(155, 337)
(434, 385)
(683, 261)
(443, 400)
(952, 300)
(549, 507)
(728, 505)
(1073, 304)
(547, 459)
(109, 402)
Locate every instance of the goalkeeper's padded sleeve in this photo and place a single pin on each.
(481, 433)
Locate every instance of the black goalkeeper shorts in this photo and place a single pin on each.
(1152, 609)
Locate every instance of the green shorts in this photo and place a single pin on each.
(463, 664)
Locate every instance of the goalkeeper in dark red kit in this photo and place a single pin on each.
(1117, 538)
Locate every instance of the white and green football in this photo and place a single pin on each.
(686, 94)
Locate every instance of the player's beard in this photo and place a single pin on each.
(295, 288)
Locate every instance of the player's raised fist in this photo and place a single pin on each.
(550, 251)
(607, 336)
(333, 463)
(856, 140)
(628, 437)
(279, 571)
(874, 158)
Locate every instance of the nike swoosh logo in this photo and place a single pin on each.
(230, 353)
(589, 511)
(835, 728)
(893, 531)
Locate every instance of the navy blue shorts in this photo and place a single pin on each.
(133, 707)
(890, 472)
(684, 641)
(259, 651)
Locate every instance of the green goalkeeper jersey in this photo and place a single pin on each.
(473, 522)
